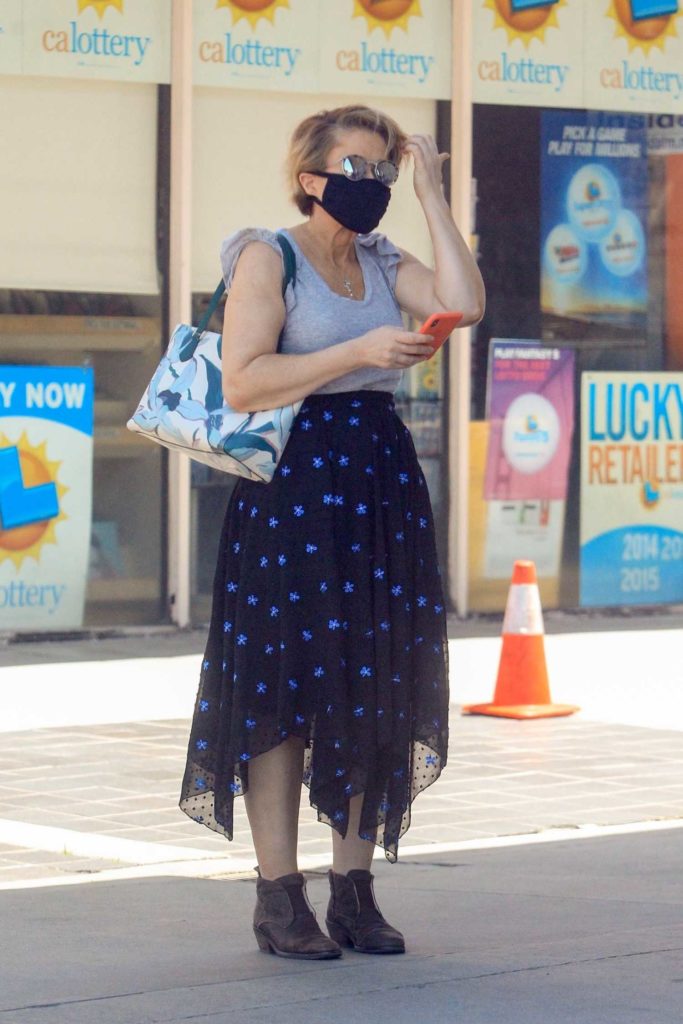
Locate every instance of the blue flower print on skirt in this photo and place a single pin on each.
(328, 623)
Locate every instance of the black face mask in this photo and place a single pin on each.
(356, 205)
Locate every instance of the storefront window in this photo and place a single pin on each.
(579, 232)
(118, 337)
(421, 405)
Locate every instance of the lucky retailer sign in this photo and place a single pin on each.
(631, 488)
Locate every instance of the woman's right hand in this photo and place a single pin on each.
(392, 348)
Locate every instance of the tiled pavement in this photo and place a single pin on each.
(504, 778)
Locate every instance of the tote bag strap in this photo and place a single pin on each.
(289, 261)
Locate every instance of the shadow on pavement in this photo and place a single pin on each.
(588, 931)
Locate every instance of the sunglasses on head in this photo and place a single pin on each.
(355, 168)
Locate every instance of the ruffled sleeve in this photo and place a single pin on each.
(384, 252)
(232, 247)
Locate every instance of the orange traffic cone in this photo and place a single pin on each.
(522, 689)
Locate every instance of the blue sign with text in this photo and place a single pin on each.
(46, 450)
(631, 489)
(594, 187)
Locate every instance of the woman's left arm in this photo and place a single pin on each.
(456, 282)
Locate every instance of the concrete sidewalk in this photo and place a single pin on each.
(91, 799)
(584, 932)
(518, 904)
(621, 671)
(94, 745)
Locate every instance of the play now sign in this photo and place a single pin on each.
(56, 393)
(38, 394)
(46, 447)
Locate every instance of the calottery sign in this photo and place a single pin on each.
(631, 488)
(125, 40)
(257, 44)
(382, 47)
(597, 54)
(634, 55)
(528, 54)
(388, 47)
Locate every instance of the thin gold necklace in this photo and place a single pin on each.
(345, 278)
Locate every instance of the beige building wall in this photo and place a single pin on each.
(77, 185)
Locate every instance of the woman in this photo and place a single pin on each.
(326, 656)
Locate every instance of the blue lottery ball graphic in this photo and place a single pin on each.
(593, 202)
(623, 250)
(565, 255)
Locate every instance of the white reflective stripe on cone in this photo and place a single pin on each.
(523, 610)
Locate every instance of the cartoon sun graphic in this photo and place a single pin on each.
(387, 14)
(23, 542)
(252, 10)
(100, 5)
(524, 25)
(645, 33)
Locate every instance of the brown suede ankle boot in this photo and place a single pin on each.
(285, 922)
(354, 919)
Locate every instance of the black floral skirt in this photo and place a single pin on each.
(329, 624)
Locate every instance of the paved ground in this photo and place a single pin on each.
(513, 913)
(583, 932)
(93, 735)
(114, 790)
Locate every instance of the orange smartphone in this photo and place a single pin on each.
(440, 325)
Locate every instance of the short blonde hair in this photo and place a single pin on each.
(315, 136)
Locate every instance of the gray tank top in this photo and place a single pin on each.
(317, 317)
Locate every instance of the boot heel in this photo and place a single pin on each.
(338, 933)
(263, 943)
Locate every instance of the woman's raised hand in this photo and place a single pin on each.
(427, 165)
(392, 348)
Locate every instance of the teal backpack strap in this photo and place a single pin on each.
(289, 260)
